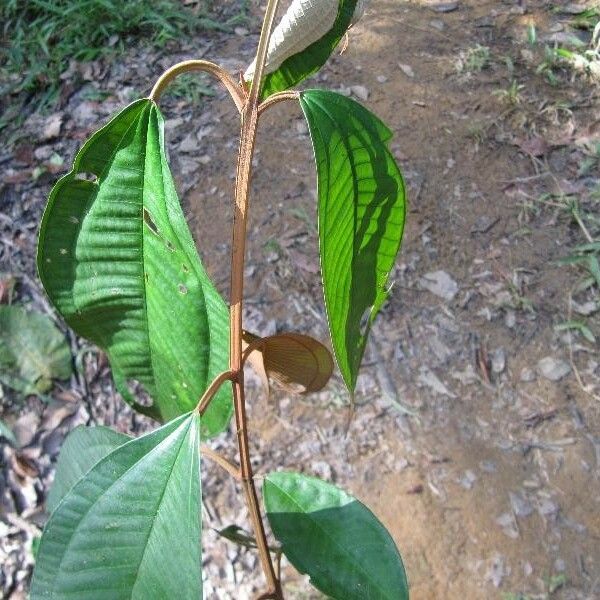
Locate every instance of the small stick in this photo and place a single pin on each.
(212, 389)
(221, 461)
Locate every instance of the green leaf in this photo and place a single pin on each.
(7, 434)
(33, 351)
(361, 209)
(131, 527)
(336, 540)
(303, 64)
(83, 448)
(118, 261)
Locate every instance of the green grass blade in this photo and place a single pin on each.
(131, 527)
(117, 259)
(336, 540)
(361, 205)
(299, 66)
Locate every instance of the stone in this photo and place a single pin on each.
(440, 284)
(527, 375)
(553, 369)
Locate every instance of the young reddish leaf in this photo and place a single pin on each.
(298, 363)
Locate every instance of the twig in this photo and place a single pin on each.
(221, 461)
(188, 66)
(212, 389)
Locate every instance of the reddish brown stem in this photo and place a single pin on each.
(187, 66)
(238, 250)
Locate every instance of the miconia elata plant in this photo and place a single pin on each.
(118, 262)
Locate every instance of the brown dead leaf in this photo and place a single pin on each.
(7, 286)
(298, 363)
(535, 146)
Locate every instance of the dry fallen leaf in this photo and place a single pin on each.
(298, 363)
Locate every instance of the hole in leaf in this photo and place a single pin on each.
(185, 268)
(182, 289)
(170, 246)
(74, 220)
(63, 251)
(146, 277)
(86, 176)
(150, 223)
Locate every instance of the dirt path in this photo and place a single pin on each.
(493, 490)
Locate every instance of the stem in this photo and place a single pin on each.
(277, 98)
(221, 461)
(238, 250)
(212, 389)
(187, 66)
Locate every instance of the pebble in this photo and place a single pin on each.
(360, 91)
(407, 70)
(381, 78)
(527, 375)
(520, 504)
(428, 378)
(498, 361)
(440, 284)
(468, 479)
(553, 369)
(437, 24)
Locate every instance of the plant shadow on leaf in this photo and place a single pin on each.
(379, 577)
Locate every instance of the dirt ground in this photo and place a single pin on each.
(477, 436)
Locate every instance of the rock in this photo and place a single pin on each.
(407, 70)
(508, 524)
(468, 479)
(440, 284)
(360, 91)
(241, 31)
(553, 369)
(520, 504)
(527, 375)
(442, 7)
(586, 309)
(381, 78)
(498, 361)
(52, 126)
(428, 378)
(189, 143)
(437, 24)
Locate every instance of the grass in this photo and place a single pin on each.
(473, 60)
(40, 38)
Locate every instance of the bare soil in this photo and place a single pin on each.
(481, 461)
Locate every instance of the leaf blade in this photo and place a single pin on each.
(33, 351)
(361, 206)
(94, 529)
(81, 450)
(308, 60)
(320, 526)
(297, 362)
(117, 259)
